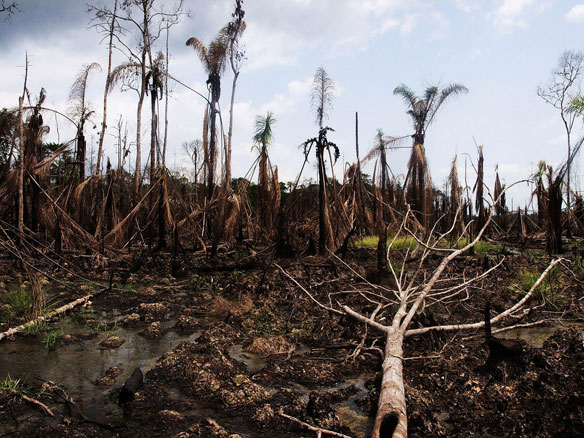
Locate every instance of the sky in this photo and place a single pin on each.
(501, 50)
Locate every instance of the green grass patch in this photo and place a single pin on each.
(368, 242)
(51, 338)
(16, 301)
(408, 242)
(401, 242)
(36, 328)
(128, 287)
(527, 278)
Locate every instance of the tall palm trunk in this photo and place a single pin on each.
(263, 187)
(81, 152)
(21, 168)
(382, 230)
(212, 149)
(153, 135)
(325, 235)
(419, 190)
(106, 92)
(137, 174)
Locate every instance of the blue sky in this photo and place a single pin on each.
(500, 49)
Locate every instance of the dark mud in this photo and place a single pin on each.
(232, 348)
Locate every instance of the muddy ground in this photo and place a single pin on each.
(263, 347)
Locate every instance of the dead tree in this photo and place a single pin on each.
(558, 92)
(414, 291)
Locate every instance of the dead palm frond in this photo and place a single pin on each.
(125, 73)
(500, 207)
(455, 199)
(322, 95)
(79, 109)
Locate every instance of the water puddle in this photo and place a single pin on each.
(350, 414)
(78, 365)
(254, 362)
(347, 410)
(536, 336)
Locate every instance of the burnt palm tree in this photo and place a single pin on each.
(155, 85)
(379, 152)
(214, 60)
(80, 111)
(263, 138)
(422, 111)
(321, 143)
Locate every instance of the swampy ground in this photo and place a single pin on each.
(227, 344)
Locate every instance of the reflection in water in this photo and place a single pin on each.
(77, 366)
(536, 336)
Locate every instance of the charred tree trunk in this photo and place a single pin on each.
(324, 224)
(81, 148)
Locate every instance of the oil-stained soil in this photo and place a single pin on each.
(227, 345)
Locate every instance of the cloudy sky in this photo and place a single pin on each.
(500, 49)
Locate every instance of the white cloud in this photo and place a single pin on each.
(576, 14)
(466, 5)
(409, 24)
(476, 53)
(510, 14)
(297, 92)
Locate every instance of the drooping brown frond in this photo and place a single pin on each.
(126, 72)
(500, 206)
(455, 198)
(200, 50)
(419, 185)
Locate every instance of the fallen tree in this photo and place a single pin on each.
(56, 312)
(414, 290)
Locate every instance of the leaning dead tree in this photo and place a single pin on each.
(413, 291)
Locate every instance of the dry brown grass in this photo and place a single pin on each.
(271, 346)
(222, 306)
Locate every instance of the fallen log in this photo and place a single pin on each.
(56, 312)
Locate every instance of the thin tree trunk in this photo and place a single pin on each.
(21, 169)
(382, 243)
(153, 129)
(137, 172)
(165, 103)
(81, 148)
(106, 92)
(230, 135)
(212, 151)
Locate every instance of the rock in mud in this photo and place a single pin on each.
(109, 378)
(153, 331)
(264, 415)
(131, 320)
(105, 381)
(186, 323)
(152, 311)
(112, 342)
(168, 416)
(209, 428)
(113, 372)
